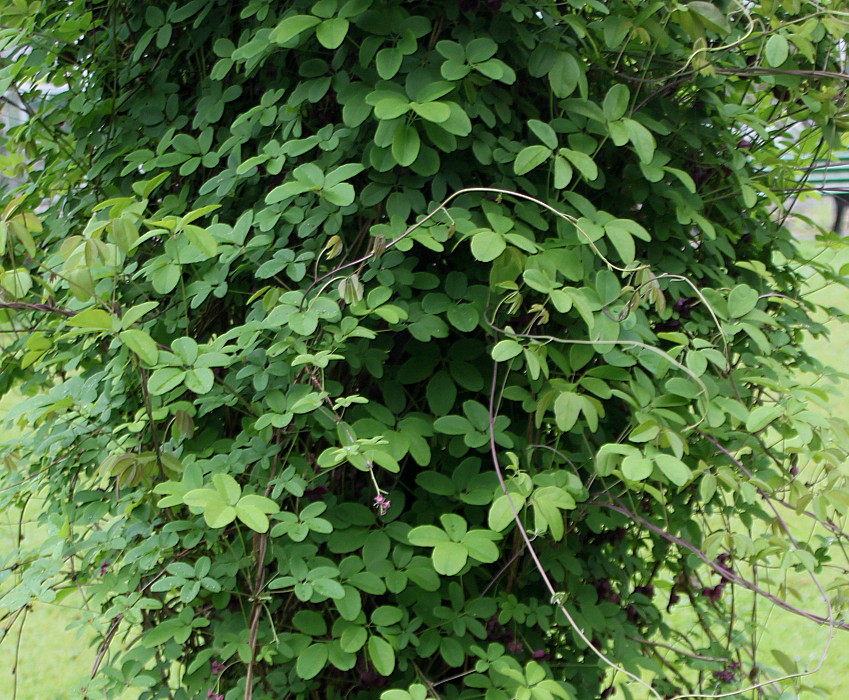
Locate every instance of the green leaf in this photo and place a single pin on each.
(454, 70)
(673, 468)
(142, 344)
(616, 102)
(286, 191)
(777, 50)
(449, 558)
(201, 239)
(480, 546)
(761, 417)
(641, 138)
(564, 74)
(441, 392)
(621, 240)
(387, 615)
(218, 515)
(353, 639)
(567, 406)
(562, 172)
(331, 32)
(290, 27)
(342, 173)
(311, 661)
(200, 380)
(165, 379)
(388, 62)
(530, 157)
(707, 487)
(458, 123)
(543, 132)
(480, 49)
(405, 145)
(329, 588)
(341, 195)
(506, 350)
(92, 319)
(582, 162)
(427, 536)
(712, 17)
(487, 245)
(186, 349)
(741, 300)
(135, 313)
(228, 487)
(500, 512)
(165, 278)
(645, 431)
(252, 510)
(201, 498)
(16, 282)
(436, 112)
(635, 467)
(310, 175)
(382, 655)
(256, 520)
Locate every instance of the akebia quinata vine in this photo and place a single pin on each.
(376, 349)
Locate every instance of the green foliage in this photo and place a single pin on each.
(414, 349)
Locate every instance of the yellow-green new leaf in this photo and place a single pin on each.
(92, 319)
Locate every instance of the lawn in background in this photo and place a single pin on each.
(54, 662)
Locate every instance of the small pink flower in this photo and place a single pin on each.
(104, 567)
(382, 503)
(210, 695)
(217, 667)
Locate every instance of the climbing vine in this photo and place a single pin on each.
(364, 348)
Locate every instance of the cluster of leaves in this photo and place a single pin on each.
(413, 349)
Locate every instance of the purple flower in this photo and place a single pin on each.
(382, 503)
(210, 695)
(104, 567)
(714, 593)
(217, 667)
(725, 676)
(514, 646)
(540, 655)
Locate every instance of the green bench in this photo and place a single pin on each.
(832, 178)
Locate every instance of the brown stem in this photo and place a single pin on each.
(260, 543)
(23, 306)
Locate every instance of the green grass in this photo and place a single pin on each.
(53, 661)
